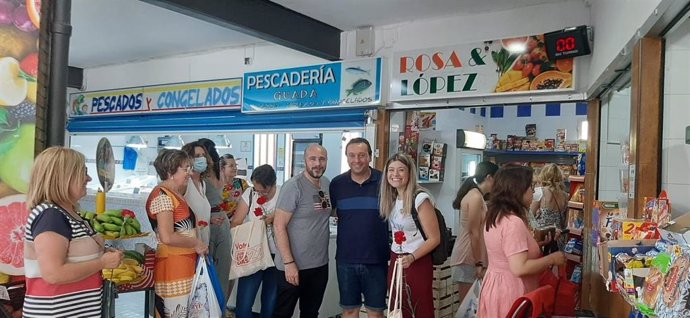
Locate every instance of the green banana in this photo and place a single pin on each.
(129, 229)
(135, 224)
(115, 220)
(112, 227)
(103, 218)
(97, 226)
(89, 215)
(123, 231)
(117, 213)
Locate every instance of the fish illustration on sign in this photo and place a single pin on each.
(358, 87)
(357, 70)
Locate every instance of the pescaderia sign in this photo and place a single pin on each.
(203, 95)
(347, 83)
(507, 66)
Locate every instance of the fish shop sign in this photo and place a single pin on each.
(348, 83)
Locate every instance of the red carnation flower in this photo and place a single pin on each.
(258, 211)
(202, 223)
(399, 237)
(261, 200)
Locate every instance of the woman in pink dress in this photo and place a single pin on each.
(515, 261)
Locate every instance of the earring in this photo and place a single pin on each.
(172, 177)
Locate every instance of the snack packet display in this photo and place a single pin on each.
(672, 301)
(654, 282)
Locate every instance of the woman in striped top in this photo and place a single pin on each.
(63, 255)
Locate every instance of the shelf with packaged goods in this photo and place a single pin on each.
(574, 231)
(576, 205)
(573, 258)
(576, 178)
(558, 157)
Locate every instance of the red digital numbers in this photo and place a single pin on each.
(565, 44)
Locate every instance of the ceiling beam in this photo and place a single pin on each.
(265, 20)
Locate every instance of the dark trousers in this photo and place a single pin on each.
(312, 286)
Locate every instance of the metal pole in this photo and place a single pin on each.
(60, 32)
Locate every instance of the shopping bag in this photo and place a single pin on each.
(215, 281)
(470, 305)
(566, 292)
(535, 304)
(396, 287)
(250, 252)
(203, 302)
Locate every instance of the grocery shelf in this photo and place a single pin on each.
(576, 205)
(577, 232)
(573, 257)
(576, 178)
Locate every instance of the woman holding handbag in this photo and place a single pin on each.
(550, 208)
(515, 261)
(258, 203)
(400, 193)
(178, 244)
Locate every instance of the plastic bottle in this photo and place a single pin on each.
(100, 202)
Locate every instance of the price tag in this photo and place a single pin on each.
(3, 293)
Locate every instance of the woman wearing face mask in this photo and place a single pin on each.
(196, 189)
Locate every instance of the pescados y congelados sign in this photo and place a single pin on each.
(507, 66)
(348, 83)
(203, 95)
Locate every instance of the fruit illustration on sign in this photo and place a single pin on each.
(15, 165)
(13, 87)
(13, 216)
(33, 8)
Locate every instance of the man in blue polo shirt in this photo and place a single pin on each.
(362, 246)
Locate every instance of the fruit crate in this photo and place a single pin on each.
(149, 263)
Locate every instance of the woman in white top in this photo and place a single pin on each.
(196, 189)
(258, 203)
(399, 192)
(469, 252)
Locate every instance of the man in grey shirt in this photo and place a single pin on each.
(302, 234)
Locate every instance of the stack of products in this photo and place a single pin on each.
(432, 161)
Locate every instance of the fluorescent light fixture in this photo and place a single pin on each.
(136, 142)
(470, 139)
(584, 130)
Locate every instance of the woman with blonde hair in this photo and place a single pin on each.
(399, 194)
(552, 203)
(63, 255)
(174, 223)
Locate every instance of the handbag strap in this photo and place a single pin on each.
(398, 299)
(392, 287)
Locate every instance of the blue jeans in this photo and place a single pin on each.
(248, 286)
(355, 280)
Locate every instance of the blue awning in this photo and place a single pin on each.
(221, 120)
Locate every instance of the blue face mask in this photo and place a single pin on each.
(200, 164)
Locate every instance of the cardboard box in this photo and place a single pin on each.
(609, 249)
(677, 231)
(631, 229)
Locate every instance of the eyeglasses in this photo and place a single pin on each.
(187, 169)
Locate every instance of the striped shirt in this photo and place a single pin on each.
(77, 299)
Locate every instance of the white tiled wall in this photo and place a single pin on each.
(510, 124)
(675, 172)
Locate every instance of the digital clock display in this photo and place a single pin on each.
(567, 43)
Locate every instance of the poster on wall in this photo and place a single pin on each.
(19, 29)
(506, 66)
(332, 85)
(202, 95)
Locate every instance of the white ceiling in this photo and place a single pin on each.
(350, 14)
(119, 31)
